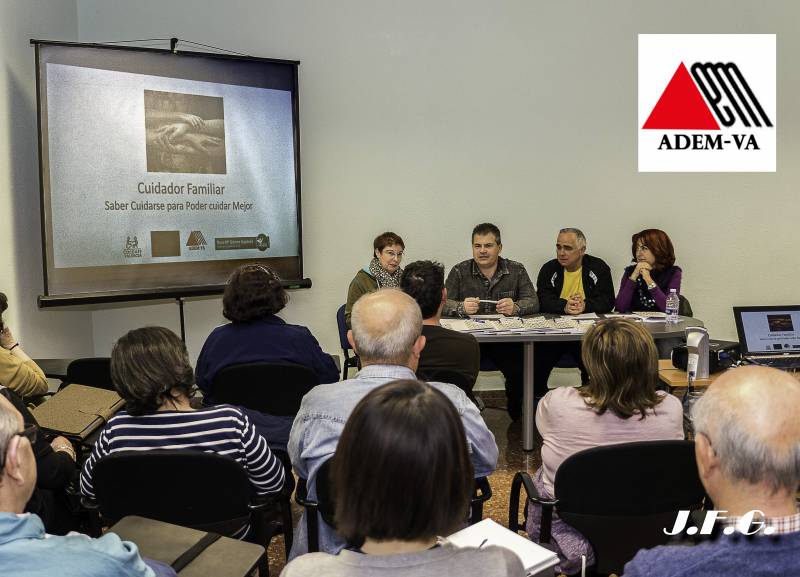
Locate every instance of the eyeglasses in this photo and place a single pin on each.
(392, 254)
(31, 433)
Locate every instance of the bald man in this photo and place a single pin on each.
(387, 335)
(748, 455)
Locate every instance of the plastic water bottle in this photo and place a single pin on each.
(673, 302)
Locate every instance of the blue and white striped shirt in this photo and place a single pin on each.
(223, 429)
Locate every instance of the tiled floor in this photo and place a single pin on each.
(512, 459)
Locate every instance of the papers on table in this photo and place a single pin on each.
(515, 325)
(645, 316)
(535, 558)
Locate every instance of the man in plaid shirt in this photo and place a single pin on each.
(748, 456)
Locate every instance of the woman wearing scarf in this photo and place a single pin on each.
(383, 270)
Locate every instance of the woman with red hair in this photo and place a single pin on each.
(647, 282)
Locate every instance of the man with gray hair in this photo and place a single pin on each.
(747, 446)
(25, 549)
(387, 336)
(571, 284)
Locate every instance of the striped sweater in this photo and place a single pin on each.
(223, 429)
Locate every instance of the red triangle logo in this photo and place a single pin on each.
(681, 106)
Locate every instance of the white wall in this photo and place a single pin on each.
(44, 333)
(428, 117)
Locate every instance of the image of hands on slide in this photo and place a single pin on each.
(185, 133)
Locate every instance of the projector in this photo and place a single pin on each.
(721, 355)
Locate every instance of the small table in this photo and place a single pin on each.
(676, 379)
(166, 542)
(54, 368)
(659, 330)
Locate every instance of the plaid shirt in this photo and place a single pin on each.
(510, 280)
(781, 525)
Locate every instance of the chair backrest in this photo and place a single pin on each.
(190, 488)
(342, 329)
(91, 371)
(622, 497)
(684, 308)
(448, 376)
(272, 388)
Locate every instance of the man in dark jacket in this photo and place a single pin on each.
(573, 283)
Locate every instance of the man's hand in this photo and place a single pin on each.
(506, 307)
(471, 305)
(575, 305)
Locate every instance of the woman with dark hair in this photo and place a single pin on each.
(401, 478)
(619, 404)
(151, 372)
(647, 282)
(383, 271)
(18, 372)
(253, 297)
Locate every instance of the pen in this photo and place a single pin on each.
(482, 543)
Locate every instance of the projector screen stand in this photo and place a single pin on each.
(179, 300)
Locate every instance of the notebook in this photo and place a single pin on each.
(76, 411)
(769, 335)
(535, 559)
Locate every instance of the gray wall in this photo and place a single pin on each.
(44, 333)
(428, 117)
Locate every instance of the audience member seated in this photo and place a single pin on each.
(55, 469)
(444, 349)
(646, 283)
(253, 297)
(25, 548)
(18, 372)
(619, 404)
(489, 283)
(383, 271)
(151, 372)
(747, 445)
(410, 439)
(573, 283)
(387, 336)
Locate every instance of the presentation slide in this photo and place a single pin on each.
(772, 331)
(152, 169)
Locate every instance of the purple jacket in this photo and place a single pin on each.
(629, 298)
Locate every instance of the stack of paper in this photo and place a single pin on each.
(535, 559)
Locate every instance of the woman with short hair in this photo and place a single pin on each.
(252, 300)
(646, 283)
(619, 404)
(151, 371)
(401, 478)
(383, 271)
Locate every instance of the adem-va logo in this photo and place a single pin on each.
(707, 103)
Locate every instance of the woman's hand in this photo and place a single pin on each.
(7, 340)
(642, 268)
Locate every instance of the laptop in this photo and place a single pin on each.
(769, 335)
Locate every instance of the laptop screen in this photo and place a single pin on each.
(768, 329)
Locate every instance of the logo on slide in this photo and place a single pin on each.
(707, 103)
(165, 243)
(196, 241)
(132, 249)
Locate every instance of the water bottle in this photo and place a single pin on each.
(673, 302)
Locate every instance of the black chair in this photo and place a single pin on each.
(684, 308)
(453, 378)
(273, 388)
(90, 371)
(204, 491)
(620, 497)
(325, 506)
(349, 362)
